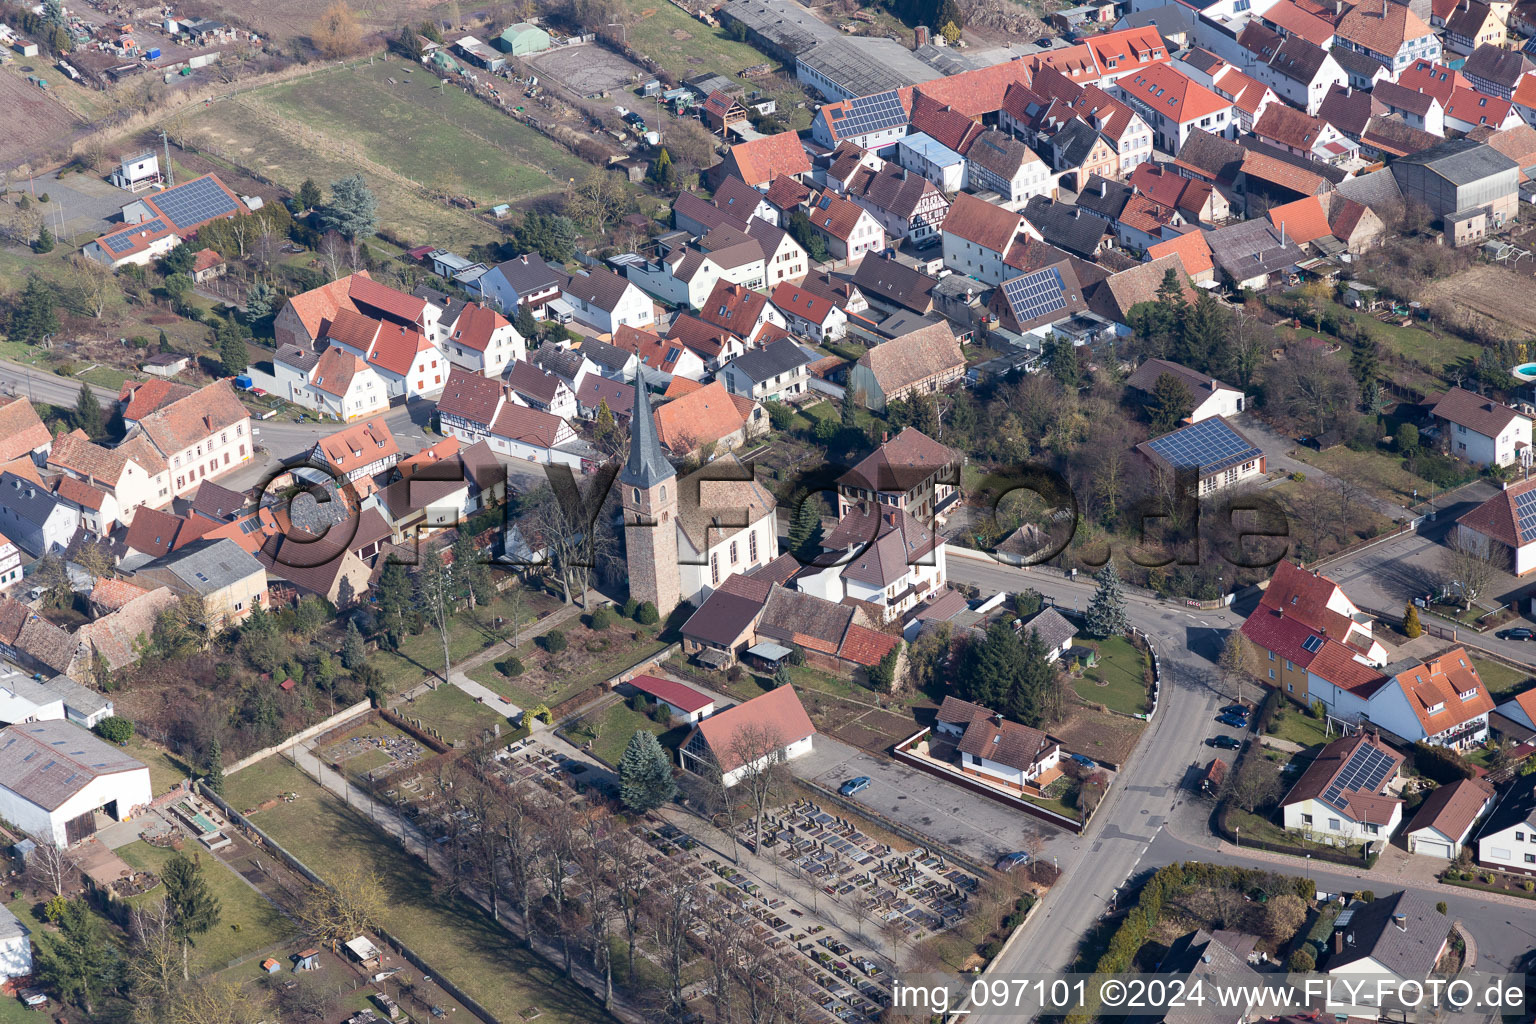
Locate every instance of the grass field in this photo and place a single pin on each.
(265, 780)
(1503, 682)
(1299, 727)
(1117, 681)
(469, 632)
(441, 137)
(165, 768)
(616, 724)
(454, 714)
(1379, 471)
(1435, 352)
(247, 922)
(590, 658)
(455, 937)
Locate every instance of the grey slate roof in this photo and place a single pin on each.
(760, 364)
(30, 502)
(1409, 950)
(1053, 627)
(77, 696)
(1298, 59)
(1104, 197)
(1461, 161)
(1075, 141)
(298, 358)
(46, 763)
(610, 357)
(451, 305)
(893, 282)
(998, 152)
(1498, 65)
(1354, 63)
(209, 566)
(529, 273)
(1377, 190)
(218, 503)
(647, 465)
(1065, 226)
(1250, 249)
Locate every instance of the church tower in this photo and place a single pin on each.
(649, 485)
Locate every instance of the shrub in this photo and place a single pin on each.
(512, 667)
(1441, 764)
(1299, 477)
(1302, 960)
(540, 713)
(1412, 628)
(734, 673)
(637, 702)
(796, 655)
(601, 618)
(661, 714)
(554, 641)
(1442, 907)
(647, 615)
(115, 729)
(991, 949)
(1528, 885)
(631, 606)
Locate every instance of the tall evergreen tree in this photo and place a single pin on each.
(991, 667)
(1028, 697)
(850, 409)
(1365, 360)
(34, 314)
(89, 416)
(213, 766)
(645, 773)
(309, 195)
(352, 211)
(44, 241)
(353, 651)
(194, 908)
(526, 324)
(1061, 360)
(1169, 403)
(233, 354)
(805, 530)
(1106, 612)
(394, 591)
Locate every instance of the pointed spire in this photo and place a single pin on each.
(647, 465)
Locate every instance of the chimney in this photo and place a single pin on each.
(997, 719)
(885, 435)
(1104, 188)
(890, 518)
(1401, 920)
(1338, 941)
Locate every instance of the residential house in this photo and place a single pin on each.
(200, 434)
(868, 122)
(1002, 164)
(524, 281)
(1173, 105)
(743, 312)
(1350, 110)
(612, 362)
(942, 123)
(1115, 296)
(481, 340)
(1389, 137)
(1078, 151)
(528, 385)
(759, 161)
(1301, 72)
(1250, 97)
(1212, 452)
(848, 229)
(887, 561)
(710, 415)
(606, 302)
(35, 520)
(906, 205)
(157, 223)
(327, 566)
(682, 701)
(1495, 71)
(1291, 19)
(1208, 396)
(1470, 110)
(405, 358)
(1193, 253)
(680, 276)
(1070, 227)
(776, 372)
(926, 156)
(1196, 201)
(1442, 702)
(1399, 937)
(1503, 528)
(894, 285)
(21, 432)
(1106, 57)
(1481, 430)
(475, 408)
(1507, 839)
(725, 525)
(1304, 135)
(660, 360)
(10, 563)
(1248, 254)
(713, 344)
(1390, 34)
(922, 362)
(978, 235)
(1471, 25)
(722, 746)
(595, 391)
(1418, 109)
(1299, 604)
(1342, 797)
(1442, 827)
(129, 476)
(305, 318)
(809, 313)
(342, 385)
(1007, 753)
(359, 452)
(744, 202)
(1033, 301)
(228, 579)
(910, 472)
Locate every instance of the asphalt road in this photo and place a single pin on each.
(1131, 833)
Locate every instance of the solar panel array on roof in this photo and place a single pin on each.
(123, 240)
(1312, 644)
(1210, 445)
(1036, 294)
(872, 114)
(1365, 771)
(1525, 514)
(198, 200)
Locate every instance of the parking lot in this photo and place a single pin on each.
(972, 824)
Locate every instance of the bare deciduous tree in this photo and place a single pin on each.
(756, 755)
(1470, 569)
(52, 866)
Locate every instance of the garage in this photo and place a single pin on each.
(1432, 847)
(1445, 819)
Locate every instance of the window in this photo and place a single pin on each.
(1271, 655)
(1333, 824)
(1519, 837)
(714, 569)
(1530, 858)
(1306, 819)
(1374, 830)
(752, 545)
(733, 553)
(1271, 673)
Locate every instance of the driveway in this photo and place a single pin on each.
(87, 204)
(980, 828)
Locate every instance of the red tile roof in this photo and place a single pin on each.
(21, 431)
(1451, 809)
(673, 692)
(978, 92)
(318, 305)
(384, 299)
(1434, 691)
(761, 160)
(144, 397)
(701, 416)
(1473, 411)
(977, 220)
(1191, 248)
(1175, 96)
(359, 445)
(777, 714)
(335, 370)
(475, 325)
(1303, 221)
(396, 349)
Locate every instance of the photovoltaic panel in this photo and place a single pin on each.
(123, 240)
(1035, 295)
(1364, 772)
(198, 200)
(1525, 515)
(872, 114)
(1209, 445)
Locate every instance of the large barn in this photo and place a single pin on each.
(55, 777)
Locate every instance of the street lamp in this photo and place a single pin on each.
(1237, 833)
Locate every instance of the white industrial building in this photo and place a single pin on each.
(56, 776)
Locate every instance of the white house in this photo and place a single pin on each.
(1000, 163)
(541, 390)
(771, 726)
(810, 314)
(523, 281)
(483, 341)
(1443, 825)
(10, 563)
(1209, 396)
(200, 435)
(1400, 934)
(683, 276)
(363, 450)
(605, 301)
(1480, 430)
(15, 947)
(1501, 527)
(1342, 799)
(405, 358)
(1054, 631)
(892, 561)
(343, 386)
(1188, 450)
(1173, 105)
(475, 408)
(55, 776)
(1442, 702)
(1507, 839)
(129, 476)
(683, 701)
(977, 237)
(1006, 752)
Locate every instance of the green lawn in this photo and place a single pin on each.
(265, 780)
(106, 376)
(1432, 351)
(1118, 681)
(1380, 471)
(1299, 727)
(616, 725)
(455, 937)
(1503, 681)
(469, 632)
(454, 715)
(443, 138)
(165, 768)
(576, 668)
(247, 921)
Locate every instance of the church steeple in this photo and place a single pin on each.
(647, 465)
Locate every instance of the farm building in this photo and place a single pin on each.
(684, 701)
(56, 776)
(522, 39)
(772, 725)
(480, 54)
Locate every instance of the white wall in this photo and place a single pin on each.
(1502, 848)
(130, 789)
(799, 748)
(1322, 827)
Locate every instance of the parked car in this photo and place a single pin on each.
(1235, 721)
(1083, 762)
(1224, 742)
(1518, 633)
(853, 786)
(1009, 861)
(1241, 710)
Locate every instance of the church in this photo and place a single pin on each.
(683, 536)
